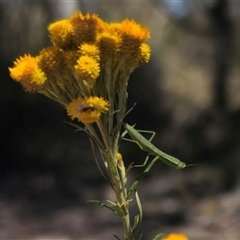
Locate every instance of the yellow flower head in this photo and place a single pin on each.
(87, 69)
(27, 72)
(109, 43)
(144, 54)
(51, 59)
(134, 30)
(90, 50)
(174, 236)
(86, 27)
(133, 35)
(119, 157)
(61, 34)
(87, 110)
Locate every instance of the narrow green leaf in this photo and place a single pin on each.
(139, 222)
(136, 221)
(140, 236)
(102, 204)
(95, 158)
(159, 236)
(116, 237)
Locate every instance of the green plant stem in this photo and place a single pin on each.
(119, 189)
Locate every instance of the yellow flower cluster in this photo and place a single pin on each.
(89, 60)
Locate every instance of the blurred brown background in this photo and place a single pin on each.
(188, 94)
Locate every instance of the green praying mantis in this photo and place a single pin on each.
(147, 146)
